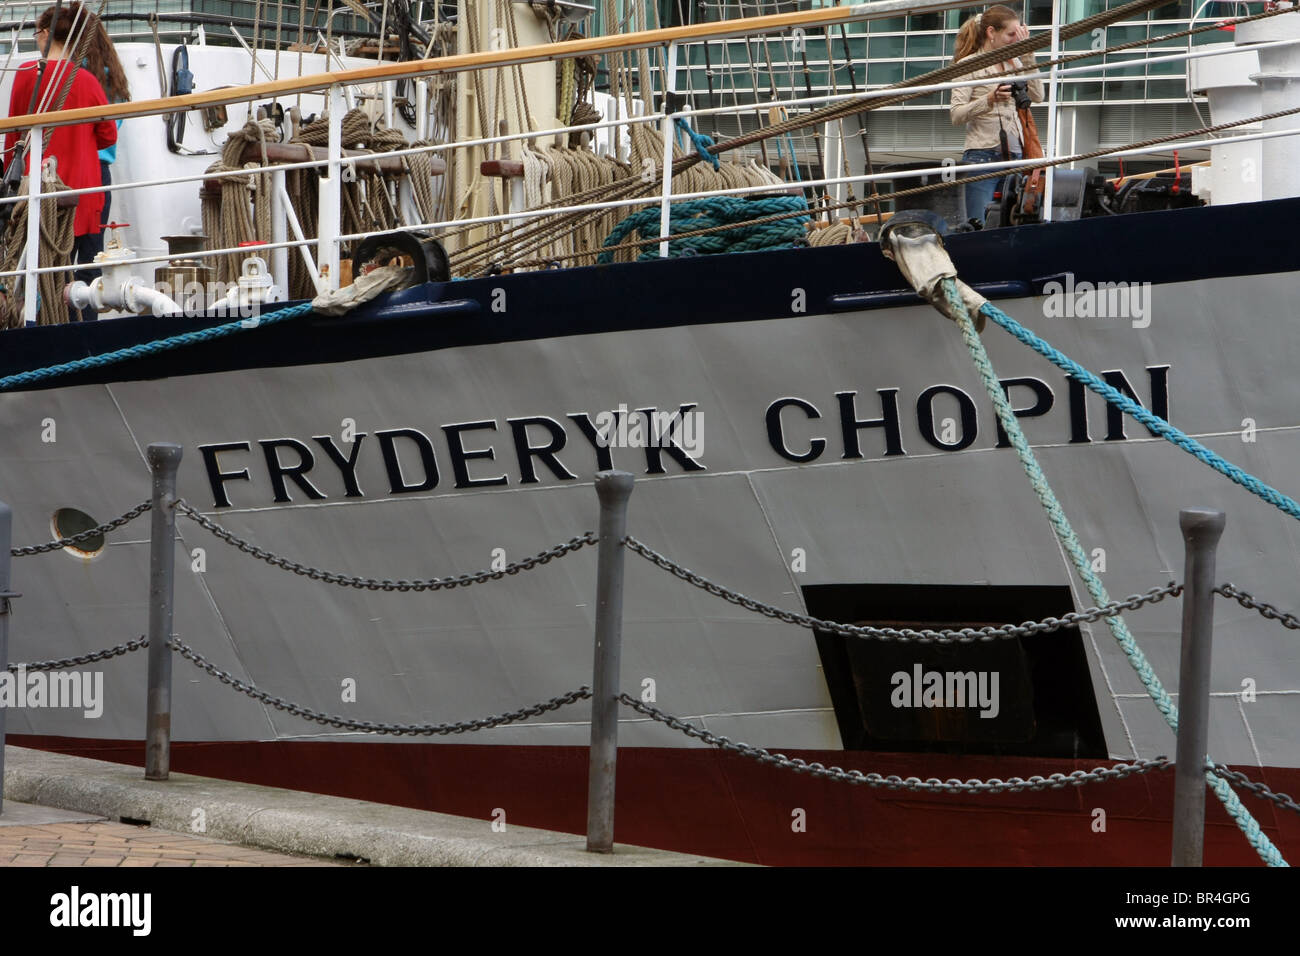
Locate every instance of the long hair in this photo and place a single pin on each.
(102, 62)
(68, 14)
(972, 33)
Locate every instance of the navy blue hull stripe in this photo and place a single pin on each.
(1157, 247)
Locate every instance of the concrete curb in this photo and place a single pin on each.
(309, 824)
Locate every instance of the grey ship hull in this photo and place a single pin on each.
(898, 509)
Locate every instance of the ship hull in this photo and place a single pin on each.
(720, 805)
(848, 464)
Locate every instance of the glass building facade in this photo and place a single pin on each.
(1128, 101)
(899, 48)
(129, 19)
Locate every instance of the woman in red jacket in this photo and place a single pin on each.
(75, 147)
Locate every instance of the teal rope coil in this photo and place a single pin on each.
(1155, 423)
(743, 236)
(1070, 541)
(152, 348)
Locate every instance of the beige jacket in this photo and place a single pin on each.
(970, 106)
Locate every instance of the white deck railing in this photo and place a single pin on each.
(327, 245)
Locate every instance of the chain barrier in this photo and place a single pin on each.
(576, 543)
(1258, 789)
(65, 662)
(104, 528)
(964, 635)
(1057, 781)
(1248, 600)
(396, 730)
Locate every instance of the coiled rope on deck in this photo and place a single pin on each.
(472, 257)
(367, 204)
(956, 308)
(743, 236)
(56, 241)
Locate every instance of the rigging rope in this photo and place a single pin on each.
(473, 257)
(1027, 167)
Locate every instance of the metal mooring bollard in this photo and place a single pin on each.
(6, 540)
(1201, 530)
(164, 459)
(614, 488)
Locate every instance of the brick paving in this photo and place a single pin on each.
(121, 844)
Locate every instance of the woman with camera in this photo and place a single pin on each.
(991, 112)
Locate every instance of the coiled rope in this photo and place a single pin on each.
(56, 241)
(956, 308)
(470, 257)
(731, 211)
(367, 203)
(227, 217)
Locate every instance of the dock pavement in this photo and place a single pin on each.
(61, 810)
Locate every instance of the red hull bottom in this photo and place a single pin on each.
(716, 804)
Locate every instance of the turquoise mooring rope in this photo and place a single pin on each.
(1070, 541)
(702, 142)
(152, 348)
(1153, 422)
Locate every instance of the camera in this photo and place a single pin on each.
(1020, 93)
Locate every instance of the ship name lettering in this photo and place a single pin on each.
(872, 426)
(412, 460)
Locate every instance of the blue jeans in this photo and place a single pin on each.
(84, 250)
(88, 246)
(980, 194)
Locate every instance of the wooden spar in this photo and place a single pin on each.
(501, 168)
(301, 152)
(486, 59)
(1156, 172)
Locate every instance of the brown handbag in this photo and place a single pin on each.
(1031, 148)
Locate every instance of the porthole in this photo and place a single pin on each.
(69, 521)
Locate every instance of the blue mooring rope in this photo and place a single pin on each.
(1070, 542)
(702, 142)
(152, 348)
(1153, 422)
